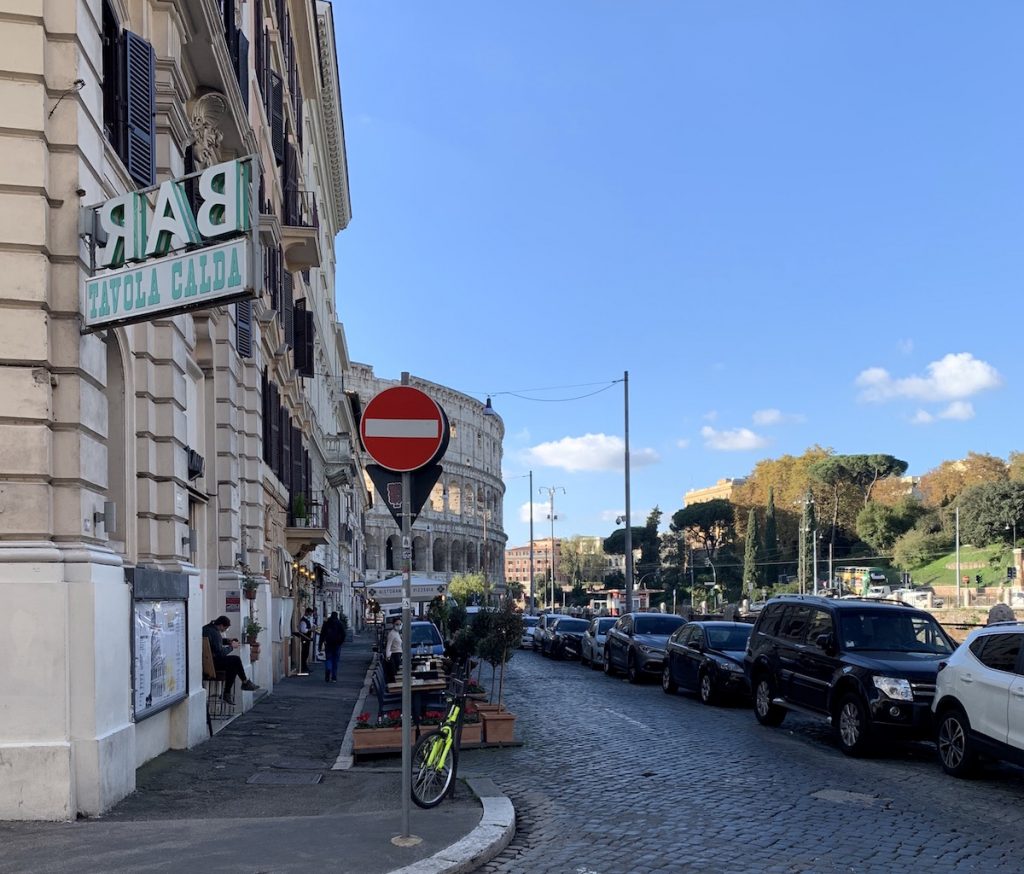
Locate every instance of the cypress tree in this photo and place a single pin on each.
(771, 533)
(752, 554)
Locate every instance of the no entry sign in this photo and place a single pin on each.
(404, 429)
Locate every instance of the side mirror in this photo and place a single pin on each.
(825, 642)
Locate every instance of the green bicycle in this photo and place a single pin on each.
(435, 757)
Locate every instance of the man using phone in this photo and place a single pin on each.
(224, 658)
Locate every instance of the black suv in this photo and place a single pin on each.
(868, 667)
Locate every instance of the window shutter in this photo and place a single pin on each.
(241, 61)
(192, 185)
(304, 328)
(291, 187)
(138, 139)
(265, 411)
(298, 467)
(257, 47)
(287, 308)
(275, 430)
(243, 328)
(277, 114)
(285, 474)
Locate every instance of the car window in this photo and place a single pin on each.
(571, 625)
(604, 624)
(425, 634)
(795, 622)
(729, 638)
(821, 623)
(893, 631)
(655, 623)
(769, 621)
(998, 651)
(679, 634)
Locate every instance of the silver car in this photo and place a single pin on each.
(592, 647)
(546, 620)
(529, 623)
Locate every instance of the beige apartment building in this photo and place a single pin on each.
(722, 489)
(173, 419)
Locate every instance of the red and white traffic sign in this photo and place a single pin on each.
(403, 428)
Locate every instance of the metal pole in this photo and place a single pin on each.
(533, 604)
(551, 568)
(629, 530)
(406, 646)
(831, 578)
(815, 566)
(483, 562)
(958, 556)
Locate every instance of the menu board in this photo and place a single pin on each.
(161, 677)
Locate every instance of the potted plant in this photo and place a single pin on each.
(250, 586)
(504, 630)
(384, 735)
(299, 509)
(252, 630)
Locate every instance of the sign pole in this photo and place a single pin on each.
(406, 645)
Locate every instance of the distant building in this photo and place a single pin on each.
(517, 562)
(722, 489)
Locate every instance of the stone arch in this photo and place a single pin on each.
(419, 553)
(439, 555)
(392, 552)
(455, 498)
(458, 556)
(472, 565)
(371, 552)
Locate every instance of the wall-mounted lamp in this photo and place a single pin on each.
(190, 540)
(108, 517)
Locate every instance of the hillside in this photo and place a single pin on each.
(989, 561)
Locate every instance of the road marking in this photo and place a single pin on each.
(628, 719)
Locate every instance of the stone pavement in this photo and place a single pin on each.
(262, 796)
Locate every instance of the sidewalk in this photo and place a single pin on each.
(261, 796)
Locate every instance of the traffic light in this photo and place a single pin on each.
(1011, 573)
(977, 579)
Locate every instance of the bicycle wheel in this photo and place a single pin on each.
(433, 769)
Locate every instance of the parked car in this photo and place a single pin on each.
(636, 643)
(425, 639)
(542, 625)
(562, 638)
(529, 623)
(707, 658)
(979, 699)
(867, 667)
(592, 645)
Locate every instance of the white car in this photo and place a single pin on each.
(529, 623)
(979, 699)
(592, 645)
(545, 620)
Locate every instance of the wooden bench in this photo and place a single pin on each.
(213, 683)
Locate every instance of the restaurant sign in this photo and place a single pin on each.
(159, 252)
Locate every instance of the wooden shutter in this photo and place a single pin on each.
(304, 328)
(257, 46)
(285, 474)
(241, 63)
(192, 185)
(277, 115)
(298, 466)
(275, 430)
(287, 308)
(138, 140)
(265, 411)
(243, 328)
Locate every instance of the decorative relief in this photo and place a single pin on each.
(204, 116)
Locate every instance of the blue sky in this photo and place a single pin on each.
(791, 222)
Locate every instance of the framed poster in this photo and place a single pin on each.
(161, 668)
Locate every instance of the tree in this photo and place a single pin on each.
(499, 639)
(941, 485)
(854, 475)
(709, 523)
(988, 512)
(880, 525)
(808, 531)
(752, 555)
(771, 534)
(615, 543)
(1015, 467)
(917, 548)
(650, 558)
(466, 588)
(579, 562)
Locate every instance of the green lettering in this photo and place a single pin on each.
(93, 289)
(190, 282)
(104, 303)
(154, 289)
(176, 280)
(218, 271)
(204, 284)
(234, 277)
(129, 292)
(115, 292)
(140, 294)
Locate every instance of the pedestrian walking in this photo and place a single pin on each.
(305, 634)
(393, 650)
(332, 636)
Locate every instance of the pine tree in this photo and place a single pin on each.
(771, 533)
(752, 554)
(808, 524)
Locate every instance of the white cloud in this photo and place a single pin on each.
(922, 417)
(711, 415)
(773, 416)
(734, 440)
(905, 346)
(682, 442)
(953, 377)
(538, 511)
(959, 410)
(589, 452)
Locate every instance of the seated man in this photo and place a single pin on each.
(224, 658)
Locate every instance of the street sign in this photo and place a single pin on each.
(389, 486)
(404, 429)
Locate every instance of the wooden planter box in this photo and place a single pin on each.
(369, 739)
(472, 733)
(498, 726)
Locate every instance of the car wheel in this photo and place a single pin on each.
(632, 669)
(853, 730)
(766, 712)
(953, 739)
(608, 669)
(706, 686)
(668, 685)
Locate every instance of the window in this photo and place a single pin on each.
(821, 623)
(795, 622)
(769, 623)
(129, 99)
(998, 651)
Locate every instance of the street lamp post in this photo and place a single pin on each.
(1014, 526)
(551, 515)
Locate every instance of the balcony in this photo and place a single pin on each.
(300, 232)
(308, 522)
(339, 462)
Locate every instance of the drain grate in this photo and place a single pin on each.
(285, 778)
(299, 764)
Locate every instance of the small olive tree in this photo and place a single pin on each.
(500, 640)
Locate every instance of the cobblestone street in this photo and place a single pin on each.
(619, 778)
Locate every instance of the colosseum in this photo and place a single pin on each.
(460, 528)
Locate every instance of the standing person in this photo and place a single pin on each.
(393, 650)
(306, 637)
(224, 658)
(332, 636)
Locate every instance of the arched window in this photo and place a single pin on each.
(458, 556)
(419, 554)
(117, 440)
(440, 564)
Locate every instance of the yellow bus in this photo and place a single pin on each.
(857, 578)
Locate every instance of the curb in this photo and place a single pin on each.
(493, 833)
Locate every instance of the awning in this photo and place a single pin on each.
(389, 591)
